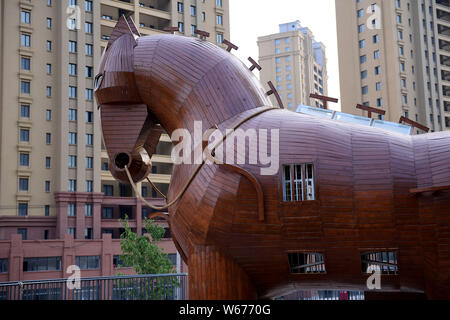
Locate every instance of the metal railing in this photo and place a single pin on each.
(145, 287)
(324, 295)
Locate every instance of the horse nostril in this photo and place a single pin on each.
(122, 160)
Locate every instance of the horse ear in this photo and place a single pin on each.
(133, 27)
(123, 27)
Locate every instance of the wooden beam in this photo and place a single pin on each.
(203, 34)
(172, 30)
(370, 110)
(254, 65)
(414, 124)
(324, 99)
(230, 45)
(274, 91)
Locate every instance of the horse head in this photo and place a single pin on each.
(130, 131)
(147, 84)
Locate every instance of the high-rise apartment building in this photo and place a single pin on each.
(295, 63)
(54, 175)
(395, 55)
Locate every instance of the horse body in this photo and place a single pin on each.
(363, 178)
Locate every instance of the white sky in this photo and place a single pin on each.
(251, 19)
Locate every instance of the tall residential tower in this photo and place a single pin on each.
(295, 63)
(395, 55)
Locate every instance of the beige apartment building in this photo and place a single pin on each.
(295, 63)
(54, 175)
(395, 55)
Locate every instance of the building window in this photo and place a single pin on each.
(298, 182)
(108, 190)
(89, 94)
(306, 263)
(24, 111)
(89, 163)
(72, 162)
(378, 86)
(89, 117)
(42, 264)
(73, 92)
(218, 3)
(362, 59)
(193, 11)
(47, 186)
(90, 262)
(3, 265)
(376, 38)
(25, 17)
(88, 6)
(72, 138)
(48, 92)
(72, 115)
(385, 262)
(25, 40)
(48, 115)
(23, 209)
(88, 233)
(88, 209)
(89, 49)
(71, 209)
(379, 102)
(72, 69)
(88, 26)
(219, 19)
(181, 27)
(376, 54)
(107, 213)
(24, 135)
(220, 38)
(89, 186)
(89, 72)
(49, 23)
(365, 90)
(73, 47)
(25, 63)
(24, 159)
(193, 28)
(23, 184)
(180, 7)
(73, 232)
(361, 28)
(72, 185)
(362, 43)
(25, 87)
(89, 139)
(23, 233)
(364, 74)
(49, 45)
(47, 211)
(48, 138)
(48, 161)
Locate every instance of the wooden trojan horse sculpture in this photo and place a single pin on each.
(343, 198)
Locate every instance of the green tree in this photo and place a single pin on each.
(144, 254)
(147, 258)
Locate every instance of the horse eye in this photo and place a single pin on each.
(98, 81)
